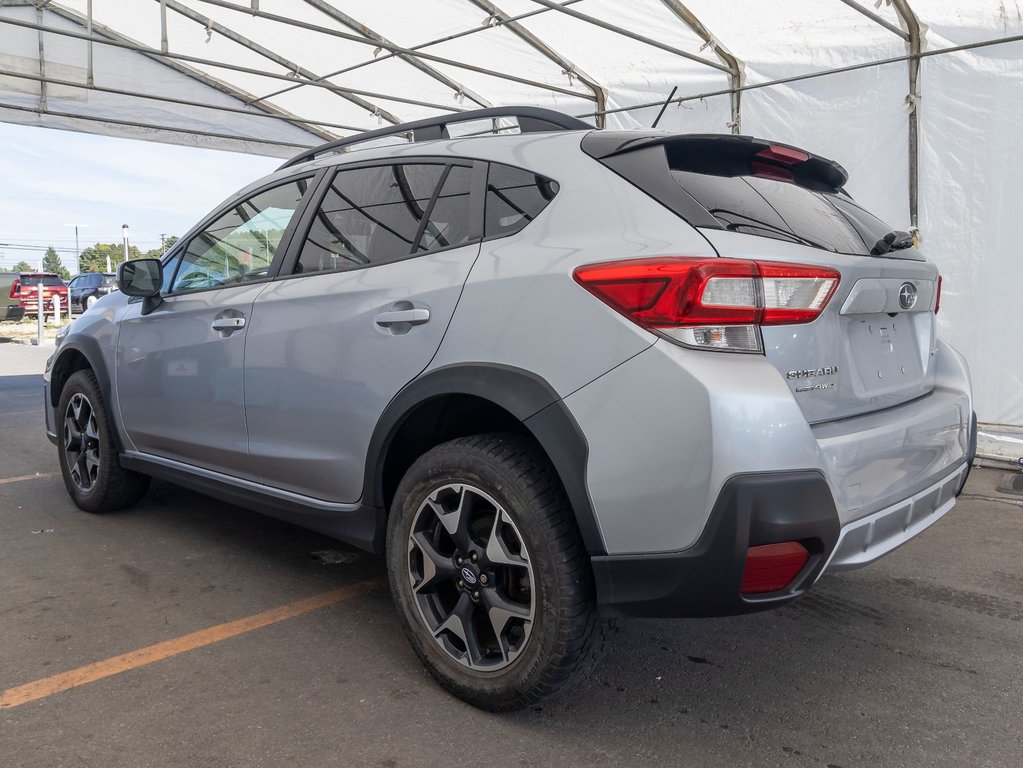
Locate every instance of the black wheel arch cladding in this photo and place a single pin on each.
(525, 396)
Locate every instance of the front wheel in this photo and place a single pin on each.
(85, 448)
(492, 584)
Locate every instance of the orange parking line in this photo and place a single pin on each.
(40, 689)
(36, 476)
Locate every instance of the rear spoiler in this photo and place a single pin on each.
(725, 155)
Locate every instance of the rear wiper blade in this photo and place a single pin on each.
(893, 241)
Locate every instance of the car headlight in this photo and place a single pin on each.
(62, 333)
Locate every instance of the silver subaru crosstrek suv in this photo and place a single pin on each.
(555, 375)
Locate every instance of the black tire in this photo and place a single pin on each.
(561, 644)
(106, 487)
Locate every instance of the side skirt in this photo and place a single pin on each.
(354, 524)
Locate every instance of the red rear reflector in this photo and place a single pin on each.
(784, 155)
(937, 300)
(771, 567)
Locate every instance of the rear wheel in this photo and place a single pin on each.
(88, 458)
(89, 301)
(490, 578)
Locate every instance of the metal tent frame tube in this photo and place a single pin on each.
(154, 127)
(915, 44)
(266, 53)
(157, 54)
(394, 51)
(735, 67)
(631, 35)
(820, 73)
(567, 67)
(459, 89)
(293, 119)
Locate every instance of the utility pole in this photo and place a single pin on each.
(78, 250)
(124, 233)
(163, 244)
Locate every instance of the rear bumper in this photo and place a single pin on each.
(872, 537)
(755, 509)
(705, 579)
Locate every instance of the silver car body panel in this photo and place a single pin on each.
(320, 370)
(179, 382)
(670, 426)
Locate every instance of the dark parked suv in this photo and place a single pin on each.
(88, 288)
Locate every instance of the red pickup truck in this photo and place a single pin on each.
(25, 289)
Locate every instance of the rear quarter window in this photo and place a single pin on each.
(514, 198)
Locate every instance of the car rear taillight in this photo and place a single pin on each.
(16, 289)
(771, 567)
(711, 303)
(937, 300)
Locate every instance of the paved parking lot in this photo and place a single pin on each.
(187, 632)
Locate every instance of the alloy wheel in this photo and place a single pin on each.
(471, 576)
(81, 442)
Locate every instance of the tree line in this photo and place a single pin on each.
(93, 258)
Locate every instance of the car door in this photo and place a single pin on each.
(179, 368)
(363, 310)
(73, 291)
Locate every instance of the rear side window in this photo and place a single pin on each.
(775, 209)
(377, 215)
(448, 223)
(514, 198)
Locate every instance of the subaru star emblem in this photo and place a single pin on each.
(907, 295)
(468, 576)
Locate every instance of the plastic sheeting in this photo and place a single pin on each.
(338, 71)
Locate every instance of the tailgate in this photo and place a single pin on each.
(872, 347)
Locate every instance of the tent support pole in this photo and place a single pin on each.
(88, 28)
(912, 23)
(631, 35)
(163, 26)
(42, 71)
(291, 66)
(877, 19)
(567, 67)
(733, 64)
(301, 122)
(343, 18)
(392, 50)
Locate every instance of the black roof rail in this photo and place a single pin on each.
(531, 120)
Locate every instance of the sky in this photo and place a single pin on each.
(51, 180)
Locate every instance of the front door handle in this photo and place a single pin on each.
(228, 324)
(416, 316)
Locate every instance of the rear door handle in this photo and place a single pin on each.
(416, 316)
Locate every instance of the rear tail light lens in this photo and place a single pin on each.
(16, 289)
(771, 567)
(711, 303)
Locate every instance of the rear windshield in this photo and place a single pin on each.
(109, 279)
(784, 211)
(28, 280)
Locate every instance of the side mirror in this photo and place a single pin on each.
(142, 277)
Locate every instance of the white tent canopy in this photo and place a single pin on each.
(921, 100)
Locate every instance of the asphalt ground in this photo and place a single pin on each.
(187, 632)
